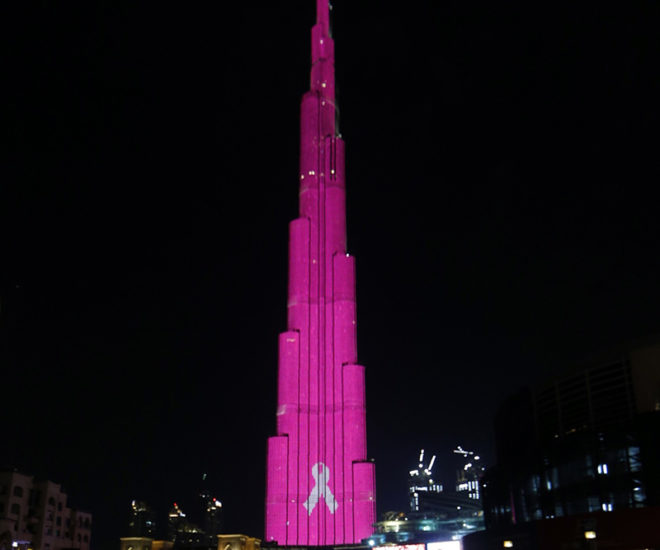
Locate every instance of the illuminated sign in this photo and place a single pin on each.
(320, 473)
(403, 547)
(446, 545)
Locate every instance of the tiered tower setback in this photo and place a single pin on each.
(320, 485)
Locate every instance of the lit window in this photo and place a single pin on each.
(590, 534)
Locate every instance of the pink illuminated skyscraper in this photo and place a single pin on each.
(320, 486)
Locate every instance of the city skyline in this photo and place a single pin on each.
(499, 210)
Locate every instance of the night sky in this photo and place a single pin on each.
(502, 165)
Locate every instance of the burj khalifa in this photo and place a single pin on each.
(320, 486)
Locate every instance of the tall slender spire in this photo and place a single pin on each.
(323, 14)
(320, 486)
(323, 64)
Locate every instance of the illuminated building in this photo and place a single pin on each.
(212, 514)
(427, 495)
(438, 545)
(468, 476)
(142, 522)
(320, 486)
(581, 448)
(436, 515)
(457, 508)
(420, 482)
(144, 543)
(34, 515)
(413, 528)
(238, 542)
(183, 533)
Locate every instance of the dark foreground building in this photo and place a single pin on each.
(579, 455)
(35, 515)
(631, 529)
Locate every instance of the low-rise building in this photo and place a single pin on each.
(34, 515)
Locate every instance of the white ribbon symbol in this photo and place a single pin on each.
(320, 473)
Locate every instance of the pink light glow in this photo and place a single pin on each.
(320, 487)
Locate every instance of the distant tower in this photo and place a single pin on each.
(320, 486)
(469, 474)
(142, 521)
(184, 534)
(211, 512)
(176, 521)
(420, 481)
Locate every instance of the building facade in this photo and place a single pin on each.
(469, 474)
(34, 515)
(238, 542)
(320, 486)
(144, 543)
(421, 483)
(583, 443)
(142, 520)
(212, 515)
(184, 534)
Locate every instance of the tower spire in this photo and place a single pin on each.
(323, 14)
(323, 55)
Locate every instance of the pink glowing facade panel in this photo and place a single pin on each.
(320, 486)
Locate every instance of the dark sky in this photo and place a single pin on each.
(502, 163)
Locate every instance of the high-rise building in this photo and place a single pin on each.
(212, 515)
(142, 521)
(182, 532)
(320, 485)
(34, 515)
(420, 481)
(469, 474)
(437, 514)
